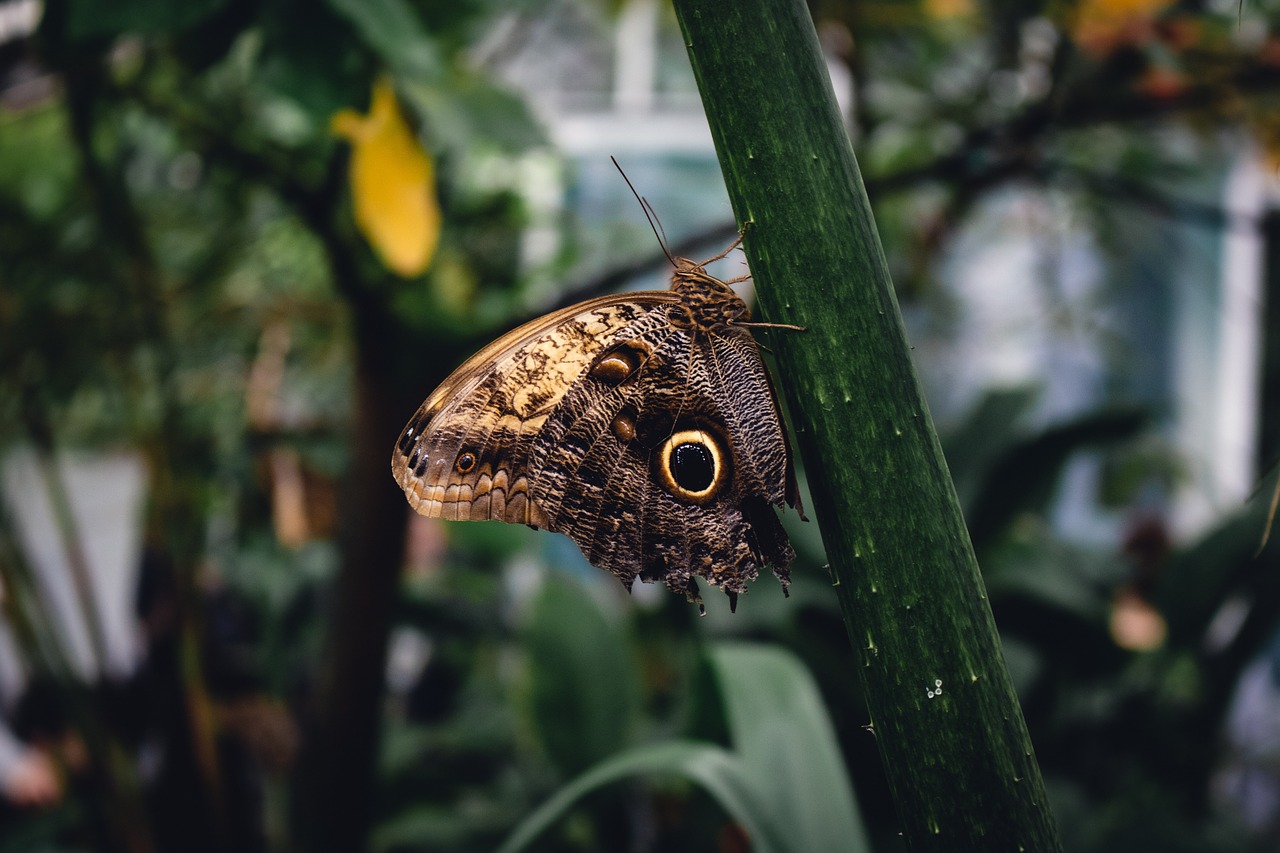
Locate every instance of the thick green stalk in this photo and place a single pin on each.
(945, 716)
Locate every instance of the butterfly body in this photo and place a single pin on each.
(642, 425)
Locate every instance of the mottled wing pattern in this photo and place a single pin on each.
(643, 426)
(597, 477)
(465, 454)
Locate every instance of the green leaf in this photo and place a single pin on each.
(1035, 464)
(393, 30)
(782, 734)
(723, 775)
(106, 19)
(988, 430)
(1228, 560)
(468, 109)
(584, 688)
(319, 66)
(424, 827)
(784, 782)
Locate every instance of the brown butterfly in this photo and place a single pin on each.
(642, 425)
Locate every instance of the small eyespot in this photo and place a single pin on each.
(612, 369)
(620, 363)
(624, 427)
(466, 462)
(407, 436)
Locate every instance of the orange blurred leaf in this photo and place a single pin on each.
(1162, 83)
(1103, 25)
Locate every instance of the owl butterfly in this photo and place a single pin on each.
(642, 425)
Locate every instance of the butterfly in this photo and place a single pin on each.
(642, 425)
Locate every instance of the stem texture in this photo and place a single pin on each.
(944, 714)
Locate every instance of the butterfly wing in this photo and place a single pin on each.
(667, 471)
(465, 454)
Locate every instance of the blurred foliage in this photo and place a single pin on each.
(782, 780)
(184, 275)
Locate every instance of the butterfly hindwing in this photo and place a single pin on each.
(610, 477)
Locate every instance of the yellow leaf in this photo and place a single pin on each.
(942, 10)
(392, 183)
(1266, 130)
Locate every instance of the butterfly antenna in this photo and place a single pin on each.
(652, 215)
(655, 224)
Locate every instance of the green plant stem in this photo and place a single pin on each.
(945, 717)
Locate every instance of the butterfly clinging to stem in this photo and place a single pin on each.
(641, 425)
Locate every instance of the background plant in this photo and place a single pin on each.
(184, 275)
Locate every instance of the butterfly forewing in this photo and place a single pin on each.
(702, 394)
(465, 455)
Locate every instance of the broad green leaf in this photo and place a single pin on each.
(784, 782)
(319, 67)
(584, 688)
(1227, 560)
(1035, 463)
(468, 109)
(784, 738)
(94, 19)
(425, 827)
(989, 429)
(719, 772)
(393, 30)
